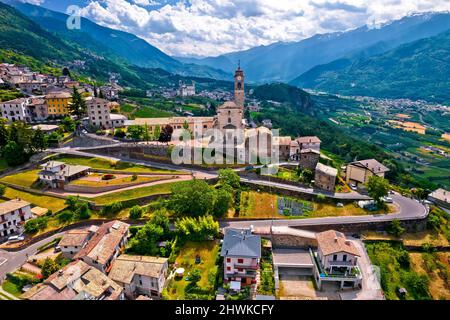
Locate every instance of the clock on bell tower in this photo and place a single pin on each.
(239, 93)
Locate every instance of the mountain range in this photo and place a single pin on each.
(286, 61)
(418, 70)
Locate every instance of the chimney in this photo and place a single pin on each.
(347, 242)
(335, 239)
(60, 272)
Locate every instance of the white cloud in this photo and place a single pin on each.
(213, 27)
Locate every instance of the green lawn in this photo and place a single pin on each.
(23, 179)
(164, 188)
(102, 164)
(208, 252)
(52, 203)
(11, 288)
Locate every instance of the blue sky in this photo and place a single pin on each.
(213, 27)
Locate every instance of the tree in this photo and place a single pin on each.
(49, 267)
(197, 229)
(157, 132)
(146, 135)
(2, 190)
(39, 141)
(396, 228)
(78, 105)
(194, 198)
(229, 177)
(135, 212)
(66, 72)
(166, 134)
(13, 154)
(65, 216)
(119, 133)
(68, 124)
(4, 134)
(224, 200)
(136, 132)
(82, 211)
(378, 188)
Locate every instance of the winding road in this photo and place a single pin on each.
(409, 209)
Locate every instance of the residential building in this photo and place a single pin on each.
(76, 281)
(105, 245)
(310, 142)
(57, 174)
(325, 177)
(195, 123)
(111, 92)
(13, 214)
(75, 240)
(440, 197)
(100, 116)
(38, 108)
(241, 252)
(58, 103)
(336, 260)
(284, 147)
(359, 172)
(140, 275)
(16, 110)
(308, 159)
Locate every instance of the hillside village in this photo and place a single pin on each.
(102, 213)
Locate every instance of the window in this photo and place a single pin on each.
(228, 268)
(344, 257)
(334, 257)
(228, 260)
(240, 260)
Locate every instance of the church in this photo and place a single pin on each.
(230, 115)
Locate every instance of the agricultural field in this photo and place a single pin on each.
(180, 288)
(261, 205)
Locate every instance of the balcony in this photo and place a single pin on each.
(342, 263)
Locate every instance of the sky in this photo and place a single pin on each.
(213, 27)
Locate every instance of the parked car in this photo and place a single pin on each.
(16, 238)
(57, 249)
(388, 200)
(353, 186)
(339, 204)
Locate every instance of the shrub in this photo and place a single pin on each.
(136, 212)
(112, 208)
(395, 228)
(108, 177)
(134, 177)
(65, 216)
(34, 225)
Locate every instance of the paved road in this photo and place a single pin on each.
(409, 209)
(16, 259)
(210, 174)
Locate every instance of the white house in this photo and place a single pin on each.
(13, 214)
(56, 174)
(241, 252)
(140, 275)
(16, 110)
(337, 259)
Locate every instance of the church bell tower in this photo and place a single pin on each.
(239, 93)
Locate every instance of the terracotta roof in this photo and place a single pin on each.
(58, 95)
(11, 205)
(77, 280)
(229, 105)
(104, 242)
(371, 164)
(308, 139)
(332, 241)
(125, 267)
(16, 101)
(74, 238)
